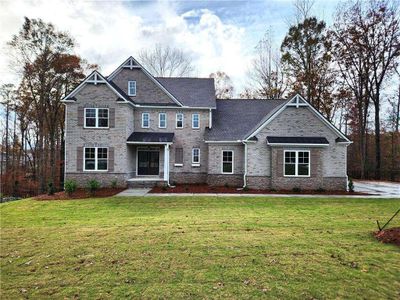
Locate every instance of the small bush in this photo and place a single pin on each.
(351, 185)
(296, 189)
(272, 190)
(114, 183)
(246, 188)
(226, 185)
(50, 188)
(320, 190)
(164, 188)
(92, 186)
(70, 186)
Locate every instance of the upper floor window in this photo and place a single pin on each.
(196, 157)
(195, 121)
(96, 117)
(179, 120)
(227, 161)
(132, 88)
(145, 120)
(162, 120)
(297, 163)
(96, 159)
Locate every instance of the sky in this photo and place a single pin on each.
(218, 35)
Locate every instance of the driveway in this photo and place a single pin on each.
(382, 188)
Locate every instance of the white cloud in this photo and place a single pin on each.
(108, 32)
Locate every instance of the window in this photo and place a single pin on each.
(195, 121)
(162, 120)
(96, 159)
(178, 157)
(297, 163)
(96, 117)
(145, 120)
(179, 120)
(132, 88)
(195, 157)
(227, 162)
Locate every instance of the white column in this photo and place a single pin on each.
(166, 163)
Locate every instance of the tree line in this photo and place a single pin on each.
(349, 71)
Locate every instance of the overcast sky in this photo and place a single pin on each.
(219, 35)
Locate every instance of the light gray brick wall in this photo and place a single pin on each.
(215, 157)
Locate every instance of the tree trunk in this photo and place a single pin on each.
(377, 139)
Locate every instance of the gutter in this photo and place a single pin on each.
(245, 164)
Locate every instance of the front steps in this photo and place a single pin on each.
(145, 182)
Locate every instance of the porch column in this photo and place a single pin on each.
(166, 163)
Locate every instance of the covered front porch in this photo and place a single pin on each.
(148, 158)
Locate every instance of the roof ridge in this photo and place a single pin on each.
(165, 77)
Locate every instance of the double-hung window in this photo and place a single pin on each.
(179, 120)
(196, 157)
(227, 162)
(195, 120)
(96, 117)
(96, 159)
(132, 88)
(297, 163)
(162, 120)
(145, 120)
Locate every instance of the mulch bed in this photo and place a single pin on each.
(391, 235)
(204, 188)
(81, 194)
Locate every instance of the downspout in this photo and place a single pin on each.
(245, 165)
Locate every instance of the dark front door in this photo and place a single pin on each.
(148, 162)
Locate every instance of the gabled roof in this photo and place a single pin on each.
(193, 92)
(234, 118)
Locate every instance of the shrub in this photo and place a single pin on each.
(272, 190)
(296, 189)
(114, 183)
(226, 185)
(320, 190)
(246, 188)
(351, 185)
(164, 188)
(70, 186)
(50, 188)
(92, 186)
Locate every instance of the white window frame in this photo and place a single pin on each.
(222, 161)
(129, 90)
(176, 120)
(96, 159)
(195, 164)
(148, 120)
(97, 117)
(159, 120)
(296, 165)
(193, 120)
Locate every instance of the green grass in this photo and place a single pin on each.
(200, 247)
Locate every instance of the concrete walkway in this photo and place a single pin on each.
(134, 192)
(382, 188)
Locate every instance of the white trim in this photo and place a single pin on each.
(159, 120)
(193, 114)
(166, 163)
(95, 159)
(178, 165)
(210, 119)
(148, 120)
(173, 107)
(96, 118)
(129, 82)
(297, 145)
(195, 164)
(176, 120)
(224, 142)
(296, 164)
(245, 165)
(222, 161)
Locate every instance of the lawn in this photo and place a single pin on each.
(197, 247)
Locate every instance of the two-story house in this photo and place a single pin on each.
(139, 129)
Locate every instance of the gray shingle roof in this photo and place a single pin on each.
(235, 118)
(317, 140)
(151, 137)
(194, 92)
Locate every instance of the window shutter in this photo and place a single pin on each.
(179, 155)
(314, 162)
(111, 159)
(279, 162)
(79, 159)
(81, 111)
(112, 117)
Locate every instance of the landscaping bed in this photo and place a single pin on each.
(206, 189)
(389, 236)
(81, 194)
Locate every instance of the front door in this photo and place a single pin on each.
(148, 162)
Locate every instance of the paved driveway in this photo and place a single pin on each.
(382, 188)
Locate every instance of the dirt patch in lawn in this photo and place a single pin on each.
(391, 236)
(81, 194)
(204, 188)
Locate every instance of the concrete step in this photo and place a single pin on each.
(145, 183)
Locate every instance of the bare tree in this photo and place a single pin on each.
(303, 9)
(223, 85)
(164, 61)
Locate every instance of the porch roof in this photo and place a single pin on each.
(151, 137)
(297, 140)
